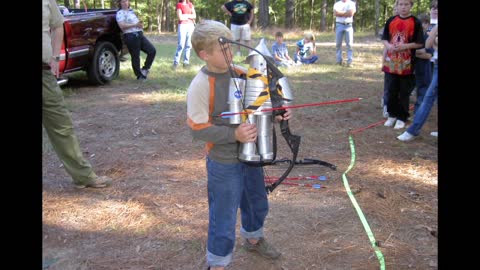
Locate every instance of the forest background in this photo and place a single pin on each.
(316, 15)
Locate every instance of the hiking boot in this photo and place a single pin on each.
(263, 248)
(99, 182)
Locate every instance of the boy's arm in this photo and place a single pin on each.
(224, 8)
(198, 116)
(423, 54)
(431, 37)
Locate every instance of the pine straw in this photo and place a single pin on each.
(155, 216)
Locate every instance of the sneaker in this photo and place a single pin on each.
(144, 72)
(399, 124)
(434, 133)
(338, 63)
(122, 58)
(99, 182)
(405, 137)
(349, 65)
(174, 66)
(263, 248)
(186, 65)
(390, 121)
(141, 78)
(385, 112)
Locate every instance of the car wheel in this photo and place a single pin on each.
(105, 64)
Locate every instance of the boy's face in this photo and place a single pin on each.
(279, 39)
(434, 12)
(404, 7)
(215, 59)
(425, 25)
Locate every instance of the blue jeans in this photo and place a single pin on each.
(342, 30)
(184, 42)
(423, 77)
(424, 110)
(231, 186)
(311, 60)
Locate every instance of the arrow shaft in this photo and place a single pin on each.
(296, 106)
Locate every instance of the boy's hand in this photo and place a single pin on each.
(246, 132)
(286, 116)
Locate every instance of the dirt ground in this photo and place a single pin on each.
(155, 215)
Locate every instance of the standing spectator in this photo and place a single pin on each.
(306, 51)
(385, 78)
(241, 13)
(344, 11)
(56, 118)
(136, 42)
(433, 14)
(423, 67)
(186, 23)
(432, 92)
(280, 52)
(402, 34)
(231, 184)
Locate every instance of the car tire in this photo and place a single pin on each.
(105, 64)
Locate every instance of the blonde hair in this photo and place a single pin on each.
(396, 2)
(310, 36)
(206, 34)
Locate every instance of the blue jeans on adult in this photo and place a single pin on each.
(424, 110)
(423, 77)
(231, 186)
(184, 42)
(341, 31)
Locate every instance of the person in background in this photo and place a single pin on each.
(186, 23)
(344, 11)
(385, 77)
(136, 42)
(433, 14)
(425, 108)
(306, 51)
(402, 35)
(232, 184)
(423, 67)
(241, 16)
(56, 118)
(280, 52)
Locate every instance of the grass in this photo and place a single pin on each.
(164, 80)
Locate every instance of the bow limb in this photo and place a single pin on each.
(293, 142)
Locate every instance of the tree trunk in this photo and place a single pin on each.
(289, 13)
(254, 21)
(323, 19)
(312, 2)
(377, 15)
(263, 19)
(66, 3)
